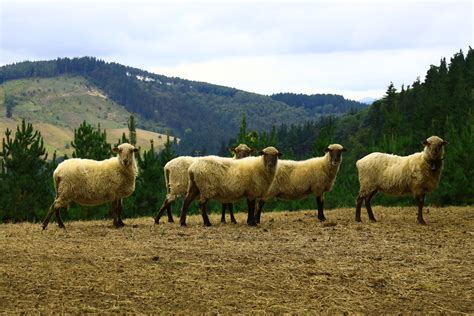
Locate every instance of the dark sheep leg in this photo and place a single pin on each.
(420, 201)
(48, 216)
(320, 202)
(205, 217)
(251, 213)
(193, 192)
(224, 206)
(231, 212)
(369, 207)
(165, 205)
(258, 212)
(359, 201)
(58, 217)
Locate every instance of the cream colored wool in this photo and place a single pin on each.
(399, 175)
(297, 179)
(228, 180)
(91, 182)
(176, 173)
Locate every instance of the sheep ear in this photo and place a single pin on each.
(260, 152)
(327, 149)
(445, 143)
(252, 150)
(280, 154)
(344, 149)
(232, 150)
(135, 150)
(115, 149)
(425, 143)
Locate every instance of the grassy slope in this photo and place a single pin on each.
(291, 263)
(57, 105)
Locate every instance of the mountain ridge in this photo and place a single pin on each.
(191, 110)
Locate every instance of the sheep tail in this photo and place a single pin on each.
(167, 181)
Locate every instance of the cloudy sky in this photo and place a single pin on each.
(353, 48)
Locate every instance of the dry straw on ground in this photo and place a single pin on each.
(290, 263)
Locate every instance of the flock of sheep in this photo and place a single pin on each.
(256, 178)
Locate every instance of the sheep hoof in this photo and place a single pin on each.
(321, 219)
(358, 220)
(223, 221)
(183, 224)
(157, 220)
(44, 227)
(61, 226)
(170, 220)
(372, 220)
(207, 224)
(252, 223)
(421, 222)
(234, 221)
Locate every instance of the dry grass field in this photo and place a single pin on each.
(291, 263)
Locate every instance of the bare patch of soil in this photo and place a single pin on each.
(290, 263)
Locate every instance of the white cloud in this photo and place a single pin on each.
(352, 74)
(264, 46)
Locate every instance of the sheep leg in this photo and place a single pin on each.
(258, 212)
(231, 212)
(170, 214)
(166, 205)
(369, 207)
(224, 206)
(48, 216)
(205, 217)
(116, 211)
(119, 213)
(359, 201)
(193, 192)
(113, 212)
(58, 217)
(251, 213)
(421, 201)
(320, 202)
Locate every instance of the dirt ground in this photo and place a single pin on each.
(291, 263)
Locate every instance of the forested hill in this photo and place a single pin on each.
(319, 103)
(442, 104)
(202, 114)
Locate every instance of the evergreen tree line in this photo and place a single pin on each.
(441, 105)
(26, 173)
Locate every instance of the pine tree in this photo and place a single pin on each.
(90, 143)
(167, 153)
(146, 197)
(132, 133)
(25, 175)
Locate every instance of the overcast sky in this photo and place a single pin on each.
(353, 48)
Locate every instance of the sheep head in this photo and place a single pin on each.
(125, 154)
(434, 151)
(242, 151)
(270, 156)
(334, 152)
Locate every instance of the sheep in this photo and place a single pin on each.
(176, 180)
(91, 182)
(228, 180)
(416, 174)
(297, 179)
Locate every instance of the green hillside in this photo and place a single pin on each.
(203, 115)
(56, 106)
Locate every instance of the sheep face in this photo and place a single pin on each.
(242, 151)
(125, 153)
(335, 153)
(434, 151)
(270, 156)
